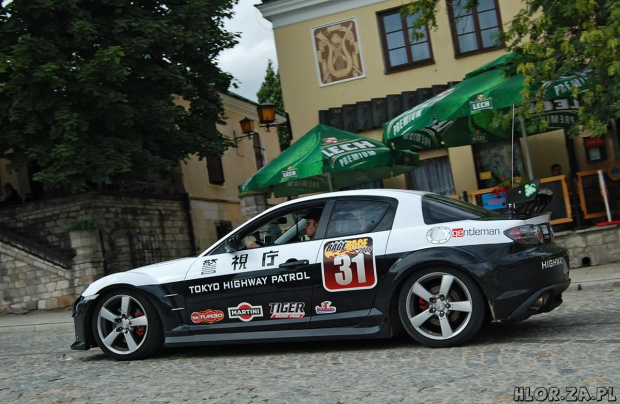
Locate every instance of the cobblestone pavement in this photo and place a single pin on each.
(577, 345)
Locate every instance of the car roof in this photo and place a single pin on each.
(374, 192)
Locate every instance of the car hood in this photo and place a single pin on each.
(155, 274)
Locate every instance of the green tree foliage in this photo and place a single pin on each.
(89, 89)
(271, 91)
(555, 38)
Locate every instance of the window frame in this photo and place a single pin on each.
(411, 64)
(477, 30)
(212, 171)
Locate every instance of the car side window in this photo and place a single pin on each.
(355, 217)
(441, 209)
(283, 228)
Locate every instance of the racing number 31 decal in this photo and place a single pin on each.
(349, 264)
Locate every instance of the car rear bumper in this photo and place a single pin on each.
(528, 283)
(542, 301)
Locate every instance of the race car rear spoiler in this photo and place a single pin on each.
(528, 200)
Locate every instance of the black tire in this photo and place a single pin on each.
(441, 318)
(126, 325)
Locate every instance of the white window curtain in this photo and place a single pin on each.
(433, 175)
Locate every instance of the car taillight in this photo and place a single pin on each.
(526, 234)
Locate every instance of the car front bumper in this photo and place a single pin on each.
(83, 337)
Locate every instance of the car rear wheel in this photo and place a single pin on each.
(126, 325)
(441, 307)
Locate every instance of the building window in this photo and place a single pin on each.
(433, 175)
(475, 30)
(222, 228)
(215, 170)
(259, 151)
(400, 49)
(497, 160)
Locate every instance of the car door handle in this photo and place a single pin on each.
(292, 264)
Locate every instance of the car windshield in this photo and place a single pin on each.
(440, 209)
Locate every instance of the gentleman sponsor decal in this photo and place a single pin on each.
(325, 308)
(208, 316)
(245, 311)
(287, 310)
(349, 264)
(249, 282)
(461, 232)
(552, 263)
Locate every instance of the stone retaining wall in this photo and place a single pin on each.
(591, 246)
(167, 216)
(30, 280)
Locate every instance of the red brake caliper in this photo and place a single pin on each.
(423, 304)
(140, 330)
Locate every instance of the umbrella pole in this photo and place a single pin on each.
(329, 182)
(512, 150)
(527, 149)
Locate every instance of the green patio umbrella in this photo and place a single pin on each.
(327, 159)
(462, 115)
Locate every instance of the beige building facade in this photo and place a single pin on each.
(212, 184)
(339, 53)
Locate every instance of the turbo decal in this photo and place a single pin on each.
(208, 266)
(325, 308)
(349, 264)
(208, 316)
(248, 282)
(245, 311)
(287, 310)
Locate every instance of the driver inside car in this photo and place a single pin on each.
(312, 222)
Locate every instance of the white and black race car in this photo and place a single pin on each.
(380, 261)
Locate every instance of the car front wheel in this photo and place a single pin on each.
(441, 307)
(126, 325)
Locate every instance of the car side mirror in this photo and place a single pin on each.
(230, 246)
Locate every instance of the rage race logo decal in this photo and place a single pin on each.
(349, 264)
(208, 316)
